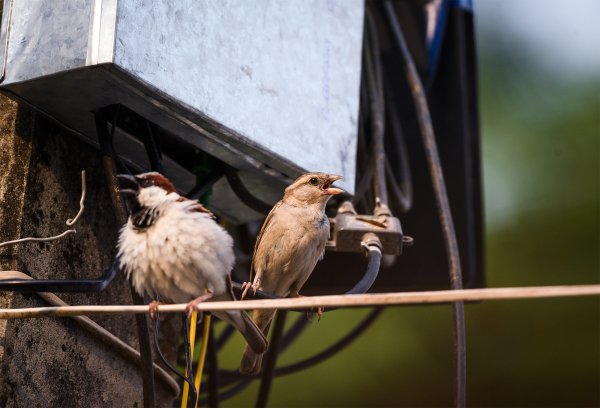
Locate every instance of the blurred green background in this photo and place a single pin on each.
(539, 67)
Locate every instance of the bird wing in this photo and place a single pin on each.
(196, 206)
(260, 235)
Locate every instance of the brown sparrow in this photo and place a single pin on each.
(172, 248)
(289, 244)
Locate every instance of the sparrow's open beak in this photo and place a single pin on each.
(327, 189)
(128, 185)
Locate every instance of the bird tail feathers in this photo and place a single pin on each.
(257, 341)
(251, 363)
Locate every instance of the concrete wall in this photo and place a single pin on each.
(50, 361)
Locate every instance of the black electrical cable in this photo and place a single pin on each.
(363, 285)
(334, 348)
(377, 109)
(364, 182)
(188, 358)
(207, 182)
(373, 266)
(213, 368)
(271, 359)
(106, 139)
(230, 392)
(244, 382)
(229, 377)
(152, 150)
(225, 335)
(63, 285)
(402, 199)
(244, 195)
(293, 332)
(162, 356)
(367, 280)
(445, 214)
(402, 190)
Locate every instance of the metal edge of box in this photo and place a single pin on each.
(254, 157)
(240, 150)
(5, 35)
(101, 40)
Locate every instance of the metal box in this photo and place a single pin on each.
(269, 87)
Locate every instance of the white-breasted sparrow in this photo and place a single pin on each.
(172, 248)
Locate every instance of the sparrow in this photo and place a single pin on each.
(289, 245)
(172, 249)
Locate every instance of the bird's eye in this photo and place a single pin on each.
(145, 183)
(314, 181)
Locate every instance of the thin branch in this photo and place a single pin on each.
(362, 300)
(70, 221)
(17, 241)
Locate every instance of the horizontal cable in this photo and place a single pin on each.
(372, 299)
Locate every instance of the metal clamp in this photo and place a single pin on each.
(350, 231)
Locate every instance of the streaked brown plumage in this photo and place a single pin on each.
(289, 244)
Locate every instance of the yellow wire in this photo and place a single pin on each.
(202, 357)
(186, 387)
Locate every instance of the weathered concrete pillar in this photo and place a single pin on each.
(15, 152)
(52, 362)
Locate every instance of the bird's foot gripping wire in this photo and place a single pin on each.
(153, 307)
(320, 310)
(309, 314)
(190, 307)
(246, 287)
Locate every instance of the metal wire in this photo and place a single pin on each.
(445, 214)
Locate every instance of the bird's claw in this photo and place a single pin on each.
(191, 306)
(246, 287)
(153, 309)
(320, 310)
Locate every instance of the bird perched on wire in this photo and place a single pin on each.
(172, 248)
(289, 244)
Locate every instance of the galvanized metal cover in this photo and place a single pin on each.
(278, 81)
